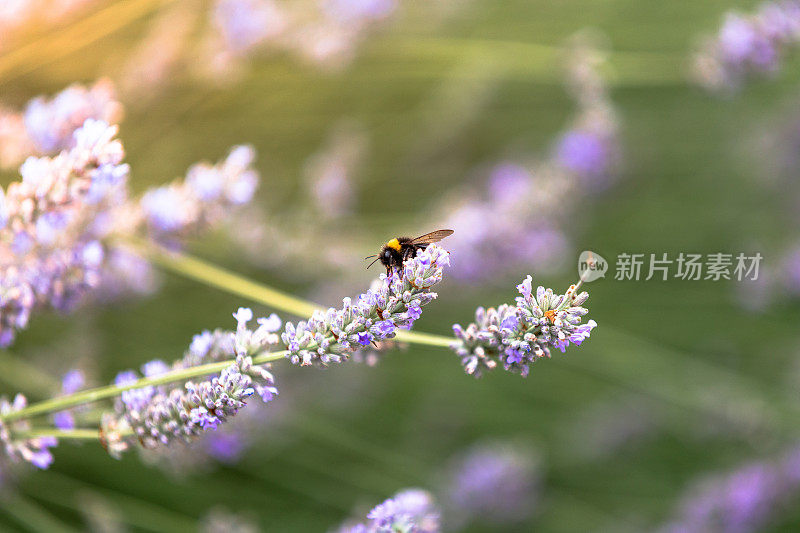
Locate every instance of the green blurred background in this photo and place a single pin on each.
(711, 383)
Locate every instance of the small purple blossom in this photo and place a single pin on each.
(64, 420)
(72, 381)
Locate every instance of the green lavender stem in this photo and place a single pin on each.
(68, 434)
(214, 276)
(232, 283)
(109, 391)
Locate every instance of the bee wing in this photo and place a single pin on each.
(434, 236)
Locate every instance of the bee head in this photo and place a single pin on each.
(386, 257)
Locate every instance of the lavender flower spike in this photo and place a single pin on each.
(394, 302)
(411, 511)
(520, 334)
(163, 414)
(33, 450)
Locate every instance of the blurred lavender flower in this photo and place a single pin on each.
(125, 272)
(244, 24)
(50, 248)
(203, 198)
(614, 427)
(219, 520)
(411, 510)
(167, 413)
(160, 52)
(589, 150)
(748, 44)
(34, 450)
(791, 270)
(72, 382)
(15, 143)
(47, 126)
(495, 483)
(330, 172)
(742, 501)
(518, 335)
(51, 123)
(59, 224)
(325, 33)
(393, 302)
(531, 204)
(529, 234)
(100, 514)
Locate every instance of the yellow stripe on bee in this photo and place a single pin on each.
(394, 244)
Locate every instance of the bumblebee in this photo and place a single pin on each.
(399, 249)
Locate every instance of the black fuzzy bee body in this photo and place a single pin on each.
(395, 252)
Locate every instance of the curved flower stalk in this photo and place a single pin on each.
(531, 204)
(517, 335)
(163, 414)
(748, 45)
(391, 303)
(412, 510)
(46, 126)
(494, 483)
